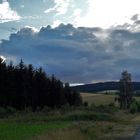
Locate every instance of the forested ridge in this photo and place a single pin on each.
(23, 86)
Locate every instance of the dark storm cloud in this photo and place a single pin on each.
(77, 54)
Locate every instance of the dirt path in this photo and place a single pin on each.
(137, 134)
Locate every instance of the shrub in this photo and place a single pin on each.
(138, 104)
(85, 104)
(110, 108)
(111, 105)
(66, 108)
(92, 106)
(28, 109)
(10, 110)
(84, 116)
(46, 109)
(134, 107)
(2, 110)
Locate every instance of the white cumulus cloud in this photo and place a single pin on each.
(105, 13)
(61, 7)
(56, 23)
(7, 14)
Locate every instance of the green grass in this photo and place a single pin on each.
(37, 125)
(25, 131)
(76, 125)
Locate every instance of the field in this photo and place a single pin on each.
(98, 99)
(72, 123)
(26, 128)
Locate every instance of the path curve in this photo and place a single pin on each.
(137, 134)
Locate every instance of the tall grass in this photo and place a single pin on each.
(63, 134)
(98, 122)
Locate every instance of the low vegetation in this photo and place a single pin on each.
(12, 130)
(96, 122)
(34, 106)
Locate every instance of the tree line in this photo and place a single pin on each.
(23, 86)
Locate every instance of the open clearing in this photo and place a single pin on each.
(81, 123)
(98, 99)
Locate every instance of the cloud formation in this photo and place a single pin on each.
(105, 13)
(7, 14)
(77, 55)
(133, 26)
(60, 7)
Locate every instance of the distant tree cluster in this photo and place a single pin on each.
(126, 90)
(23, 86)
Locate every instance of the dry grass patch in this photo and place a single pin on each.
(63, 134)
(109, 131)
(92, 130)
(97, 99)
(84, 95)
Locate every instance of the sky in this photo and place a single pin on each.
(80, 41)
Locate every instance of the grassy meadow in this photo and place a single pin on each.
(97, 99)
(98, 121)
(21, 131)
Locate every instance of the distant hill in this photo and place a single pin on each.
(104, 86)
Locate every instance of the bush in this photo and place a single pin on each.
(2, 110)
(85, 104)
(84, 116)
(92, 106)
(110, 108)
(134, 107)
(10, 110)
(28, 109)
(138, 104)
(46, 109)
(111, 105)
(66, 108)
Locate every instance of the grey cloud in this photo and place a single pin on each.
(77, 55)
(135, 17)
(134, 26)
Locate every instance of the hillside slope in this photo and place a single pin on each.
(104, 86)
